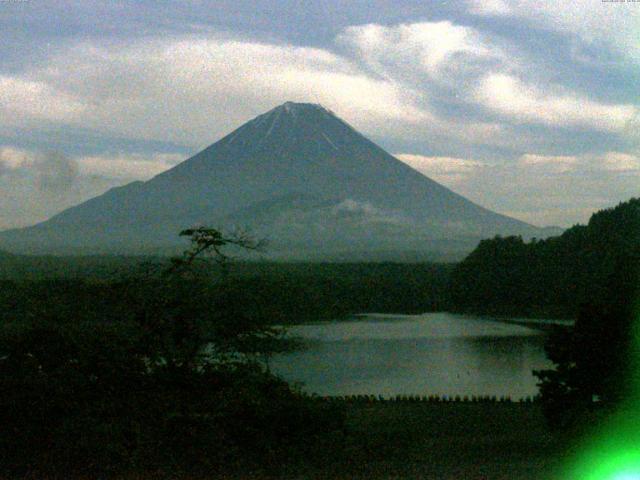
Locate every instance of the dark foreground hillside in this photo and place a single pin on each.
(419, 440)
(443, 441)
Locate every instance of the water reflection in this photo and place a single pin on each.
(427, 354)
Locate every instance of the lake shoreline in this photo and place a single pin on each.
(534, 322)
(430, 354)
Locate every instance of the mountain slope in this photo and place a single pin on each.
(296, 174)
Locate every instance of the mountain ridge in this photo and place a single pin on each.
(300, 156)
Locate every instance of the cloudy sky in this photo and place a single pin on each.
(528, 107)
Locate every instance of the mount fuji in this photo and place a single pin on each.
(298, 176)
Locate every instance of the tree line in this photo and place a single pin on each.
(547, 278)
(590, 273)
(285, 292)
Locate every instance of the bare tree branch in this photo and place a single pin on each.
(209, 241)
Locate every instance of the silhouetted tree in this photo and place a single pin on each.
(595, 363)
(153, 371)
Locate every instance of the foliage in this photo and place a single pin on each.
(552, 277)
(282, 293)
(590, 273)
(594, 363)
(147, 372)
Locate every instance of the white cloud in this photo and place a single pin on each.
(22, 100)
(122, 166)
(449, 63)
(193, 90)
(538, 188)
(621, 162)
(525, 103)
(603, 162)
(12, 158)
(448, 170)
(550, 163)
(533, 159)
(438, 62)
(51, 171)
(431, 48)
(438, 164)
(128, 166)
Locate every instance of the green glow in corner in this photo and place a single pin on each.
(626, 476)
(624, 465)
(613, 451)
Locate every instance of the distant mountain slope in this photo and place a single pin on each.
(296, 174)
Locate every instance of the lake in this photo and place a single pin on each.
(434, 353)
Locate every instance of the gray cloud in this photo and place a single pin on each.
(35, 185)
(50, 171)
(55, 172)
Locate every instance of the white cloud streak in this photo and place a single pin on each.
(621, 162)
(550, 164)
(23, 100)
(448, 170)
(435, 49)
(489, 7)
(128, 166)
(515, 99)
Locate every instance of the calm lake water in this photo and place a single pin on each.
(435, 353)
